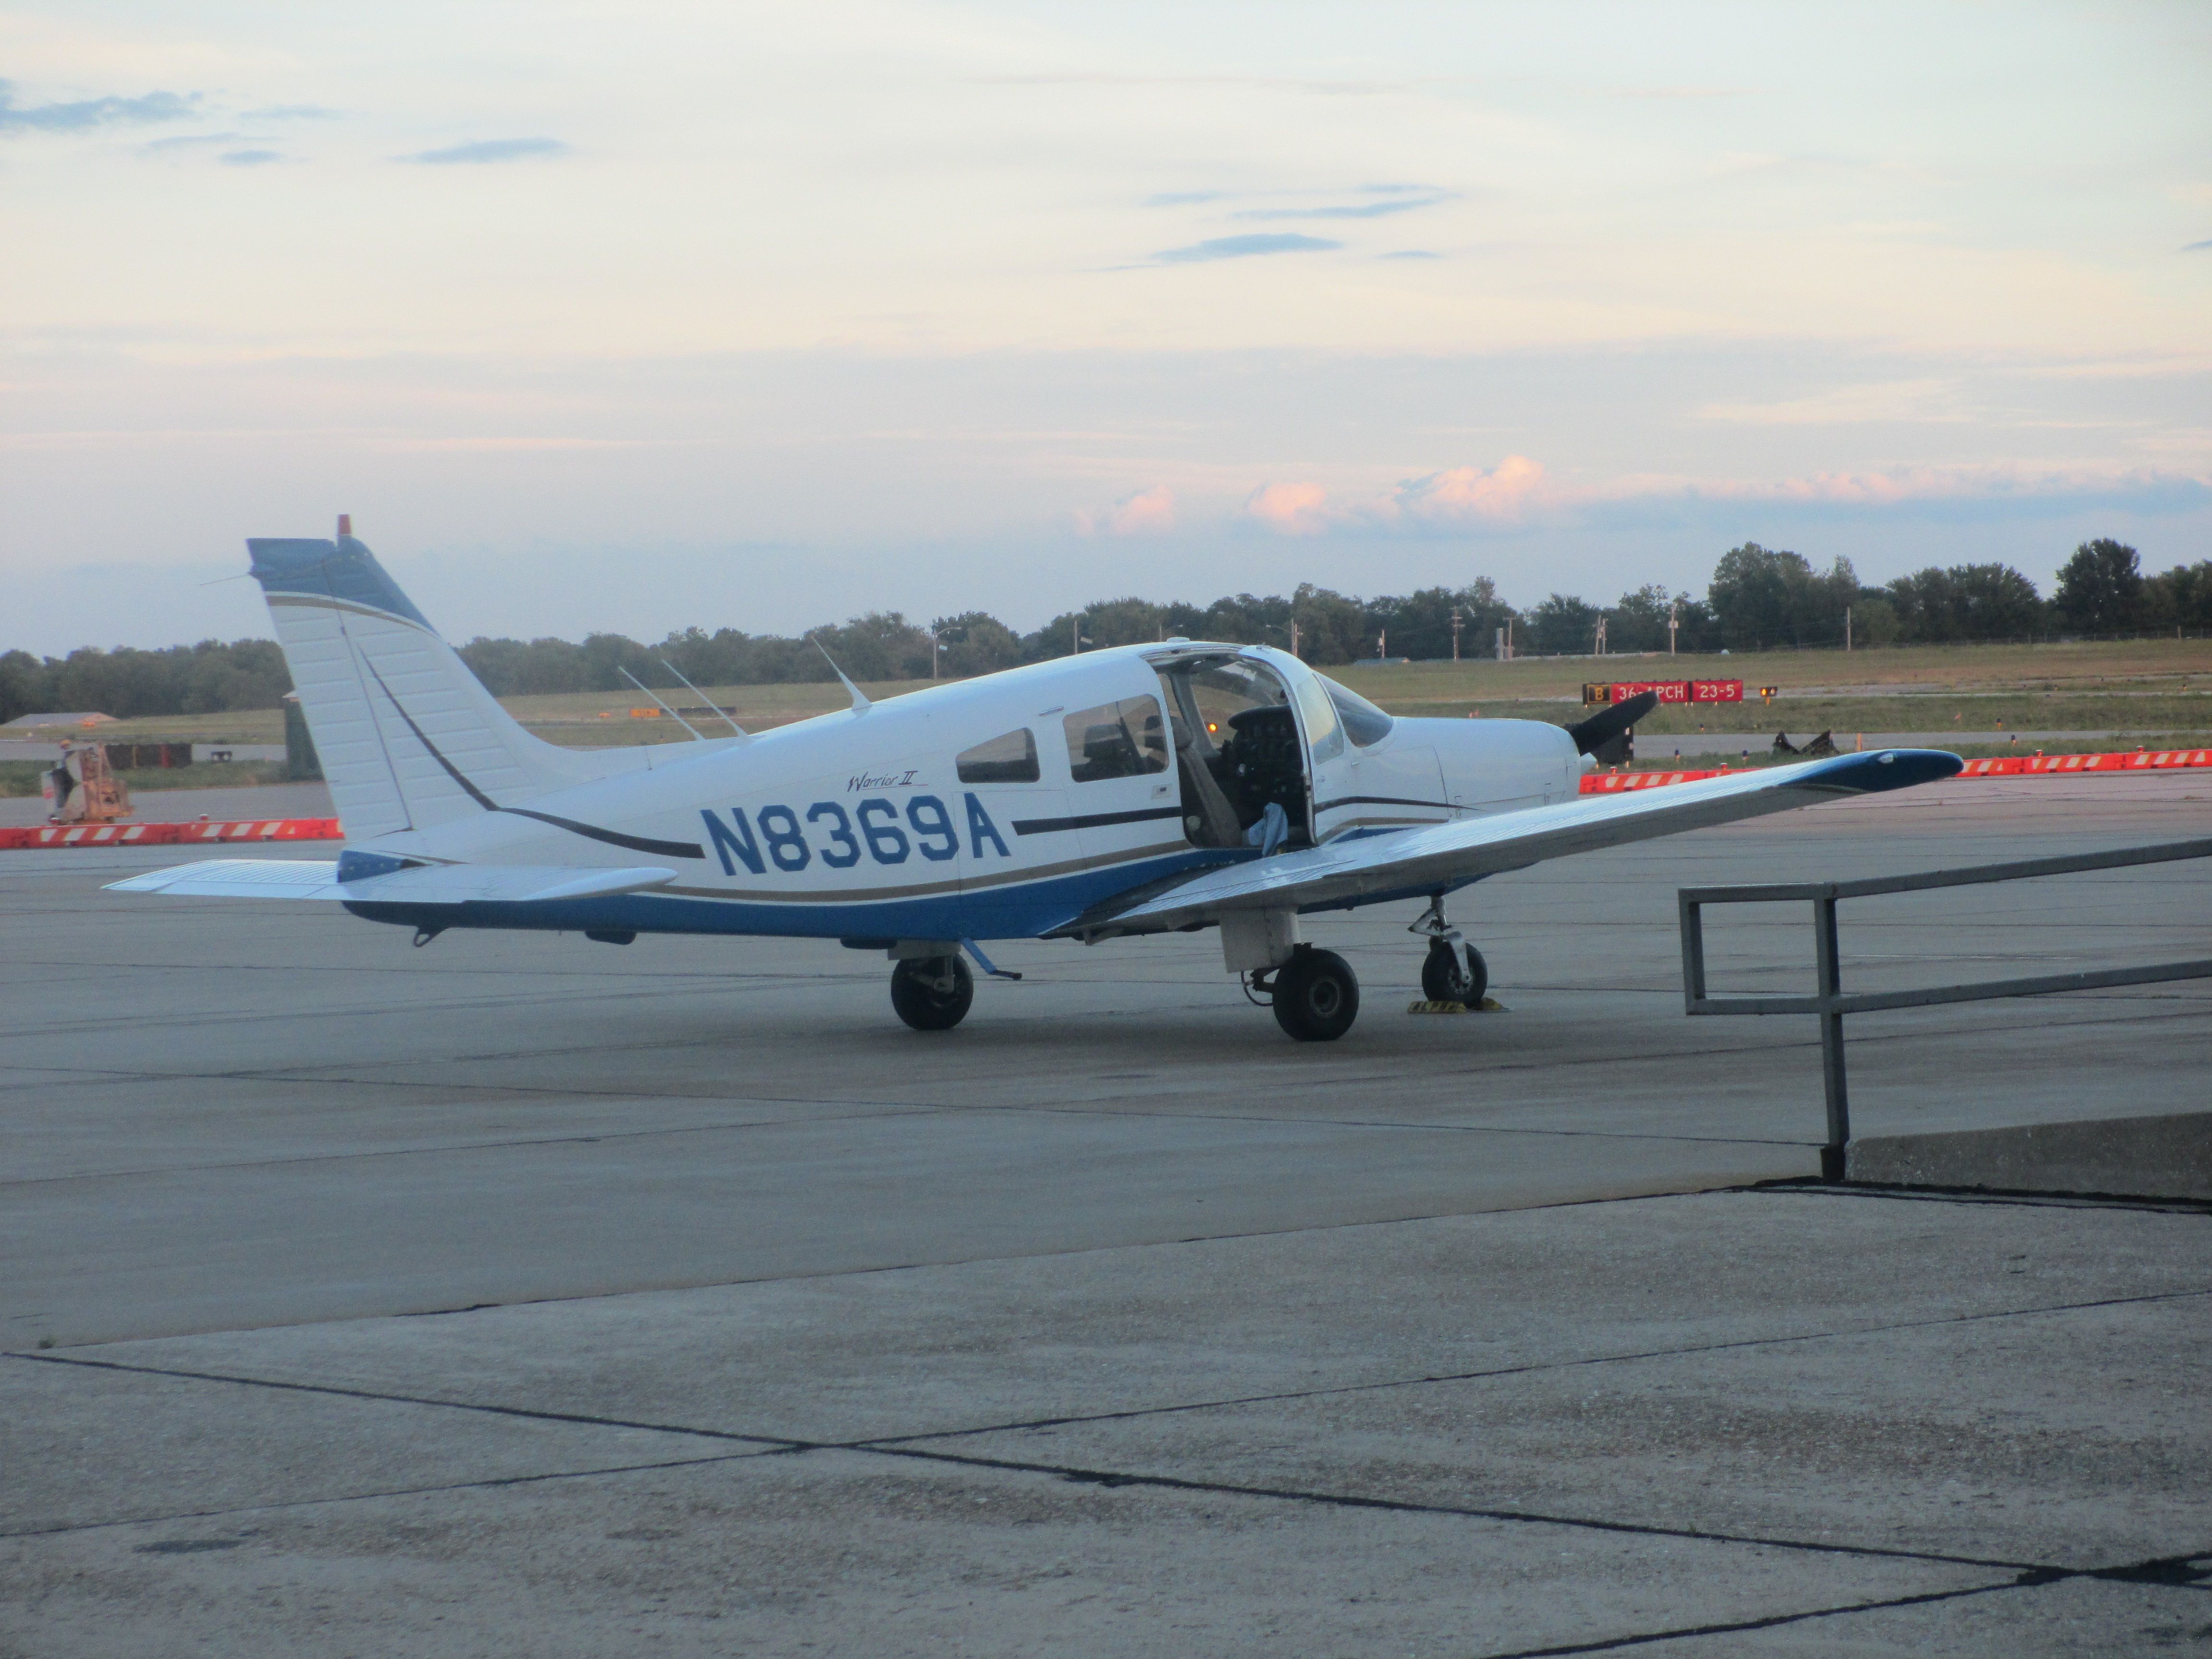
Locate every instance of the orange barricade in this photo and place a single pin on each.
(169, 834)
(2002, 766)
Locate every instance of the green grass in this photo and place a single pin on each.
(2136, 686)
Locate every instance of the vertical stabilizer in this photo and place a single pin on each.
(409, 738)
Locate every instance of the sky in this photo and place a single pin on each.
(643, 315)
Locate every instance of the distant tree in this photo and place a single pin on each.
(1247, 619)
(975, 642)
(1420, 625)
(1332, 628)
(1188, 621)
(1561, 626)
(22, 685)
(1750, 595)
(1965, 602)
(1123, 622)
(2180, 598)
(1875, 622)
(1763, 598)
(2101, 589)
(883, 645)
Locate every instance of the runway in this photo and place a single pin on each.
(1113, 1321)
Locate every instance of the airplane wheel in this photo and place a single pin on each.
(1316, 996)
(1445, 979)
(932, 995)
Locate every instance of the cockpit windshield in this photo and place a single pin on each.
(1364, 723)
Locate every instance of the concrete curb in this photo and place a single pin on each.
(2165, 1156)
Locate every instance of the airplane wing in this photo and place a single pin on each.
(1414, 862)
(427, 883)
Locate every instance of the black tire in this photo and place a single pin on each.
(1478, 975)
(920, 1001)
(1316, 996)
(1444, 977)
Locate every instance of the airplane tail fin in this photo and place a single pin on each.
(408, 737)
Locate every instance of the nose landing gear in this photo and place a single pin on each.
(1444, 977)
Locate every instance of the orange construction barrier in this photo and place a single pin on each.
(2002, 766)
(171, 835)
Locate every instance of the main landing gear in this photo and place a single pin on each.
(1444, 977)
(1315, 996)
(931, 993)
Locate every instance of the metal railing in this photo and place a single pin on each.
(1831, 1002)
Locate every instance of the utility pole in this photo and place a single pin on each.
(1600, 636)
(1382, 644)
(1508, 639)
(1294, 639)
(1075, 636)
(1456, 620)
(1673, 622)
(1847, 628)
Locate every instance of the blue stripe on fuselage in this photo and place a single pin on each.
(1018, 910)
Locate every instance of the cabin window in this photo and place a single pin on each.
(1124, 739)
(1364, 723)
(1324, 733)
(1010, 759)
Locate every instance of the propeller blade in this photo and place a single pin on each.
(1609, 723)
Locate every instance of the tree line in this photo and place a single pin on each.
(1758, 599)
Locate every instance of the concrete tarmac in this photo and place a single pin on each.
(1113, 1321)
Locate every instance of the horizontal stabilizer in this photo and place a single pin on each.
(239, 878)
(426, 884)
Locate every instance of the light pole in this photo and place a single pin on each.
(1673, 622)
(1455, 621)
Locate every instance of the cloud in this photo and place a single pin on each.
(1362, 210)
(1147, 512)
(90, 112)
(1243, 247)
(1920, 401)
(1517, 492)
(2197, 247)
(1184, 198)
(1459, 497)
(487, 150)
(1410, 253)
(1291, 509)
(291, 112)
(1464, 495)
(251, 158)
(194, 141)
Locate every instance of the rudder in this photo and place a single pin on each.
(407, 736)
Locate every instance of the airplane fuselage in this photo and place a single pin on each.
(903, 822)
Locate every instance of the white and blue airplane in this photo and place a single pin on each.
(1142, 789)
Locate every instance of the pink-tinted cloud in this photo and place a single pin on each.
(1147, 512)
(1461, 494)
(1291, 509)
(1518, 491)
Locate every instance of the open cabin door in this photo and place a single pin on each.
(1331, 789)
